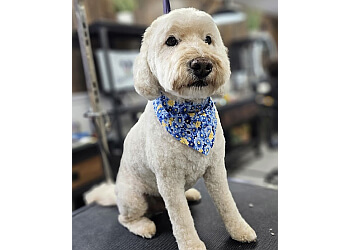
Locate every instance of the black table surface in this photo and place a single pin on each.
(97, 228)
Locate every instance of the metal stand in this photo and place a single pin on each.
(99, 118)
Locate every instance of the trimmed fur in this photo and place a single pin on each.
(154, 164)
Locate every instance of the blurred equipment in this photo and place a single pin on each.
(267, 6)
(98, 117)
(231, 22)
(273, 111)
(272, 177)
(166, 6)
(121, 62)
(249, 59)
(95, 10)
(254, 69)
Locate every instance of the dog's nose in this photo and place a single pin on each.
(201, 67)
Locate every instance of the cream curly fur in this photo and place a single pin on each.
(154, 164)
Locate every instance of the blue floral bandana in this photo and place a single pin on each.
(190, 123)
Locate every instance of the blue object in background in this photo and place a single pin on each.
(166, 6)
(78, 136)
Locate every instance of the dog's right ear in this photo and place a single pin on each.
(145, 82)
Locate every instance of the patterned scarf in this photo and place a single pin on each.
(193, 124)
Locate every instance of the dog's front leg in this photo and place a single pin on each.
(173, 194)
(216, 181)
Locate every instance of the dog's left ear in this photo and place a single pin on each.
(145, 82)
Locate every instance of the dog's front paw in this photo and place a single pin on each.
(192, 245)
(243, 233)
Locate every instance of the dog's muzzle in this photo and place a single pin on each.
(200, 67)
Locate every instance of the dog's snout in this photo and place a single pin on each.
(201, 67)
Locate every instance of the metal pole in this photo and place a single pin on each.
(91, 84)
(105, 48)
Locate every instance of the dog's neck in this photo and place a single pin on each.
(182, 100)
(173, 104)
(193, 124)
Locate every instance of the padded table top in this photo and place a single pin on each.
(97, 228)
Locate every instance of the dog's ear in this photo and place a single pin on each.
(145, 82)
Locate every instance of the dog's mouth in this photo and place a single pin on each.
(198, 84)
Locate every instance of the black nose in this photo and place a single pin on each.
(201, 67)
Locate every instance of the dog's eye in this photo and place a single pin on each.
(207, 39)
(171, 41)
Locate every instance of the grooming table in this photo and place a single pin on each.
(97, 228)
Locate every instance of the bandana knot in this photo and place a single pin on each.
(193, 124)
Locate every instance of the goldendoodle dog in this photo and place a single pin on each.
(178, 139)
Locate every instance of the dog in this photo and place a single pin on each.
(182, 62)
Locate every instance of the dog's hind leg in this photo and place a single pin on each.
(132, 207)
(193, 194)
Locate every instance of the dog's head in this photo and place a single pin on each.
(182, 53)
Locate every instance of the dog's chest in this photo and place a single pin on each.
(180, 159)
(171, 157)
(194, 171)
